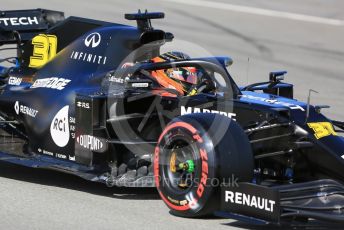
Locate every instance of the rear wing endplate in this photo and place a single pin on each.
(17, 26)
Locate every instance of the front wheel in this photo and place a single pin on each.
(191, 161)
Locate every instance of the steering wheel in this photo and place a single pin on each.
(206, 85)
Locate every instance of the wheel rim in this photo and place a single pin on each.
(182, 165)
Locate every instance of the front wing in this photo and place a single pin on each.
(320, 200)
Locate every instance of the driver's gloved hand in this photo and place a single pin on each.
(206, 86)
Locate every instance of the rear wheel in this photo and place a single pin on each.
(190, 165)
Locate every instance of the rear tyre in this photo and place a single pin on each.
(193, 158)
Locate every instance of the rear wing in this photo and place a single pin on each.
(18, 26)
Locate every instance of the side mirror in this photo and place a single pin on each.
(277, 76)
(277, 87)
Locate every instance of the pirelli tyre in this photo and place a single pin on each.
(195, 154)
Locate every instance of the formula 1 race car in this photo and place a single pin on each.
(101, 101)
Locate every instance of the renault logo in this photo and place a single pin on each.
(93, 40)
(16, 107)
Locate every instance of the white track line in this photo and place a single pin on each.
(260, 11)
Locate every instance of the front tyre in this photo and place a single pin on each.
(191, 162)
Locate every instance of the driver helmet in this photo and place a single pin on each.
(181, 79)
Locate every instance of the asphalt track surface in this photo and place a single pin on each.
(304, 37)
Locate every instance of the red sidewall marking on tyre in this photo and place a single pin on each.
(156, 166)
(176, 125)
(204, 177)
(176, 207)
(204, 158)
